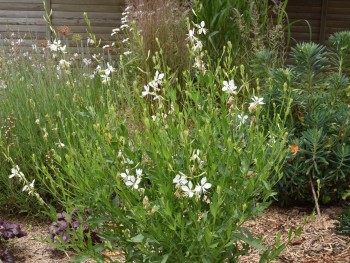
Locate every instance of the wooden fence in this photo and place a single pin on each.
(324, 16)
(25, 17)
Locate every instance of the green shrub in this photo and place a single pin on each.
(343, 226)
(319, 155)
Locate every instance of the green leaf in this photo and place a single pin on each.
(137, 239)
(165, 258)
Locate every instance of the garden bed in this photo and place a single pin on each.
(317, 243)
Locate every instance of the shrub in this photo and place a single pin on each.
(343, 226)
(317, 165)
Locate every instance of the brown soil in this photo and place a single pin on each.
(317, 243)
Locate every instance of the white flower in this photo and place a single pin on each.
(129, 161)
(180, 180)
(90, 41)
(29, 188)
(191, 35)
(109, 69)
(242, 118)
(195, 155)
(133, 182)
(257, 100)
(124, 26)
(86, 61)
(188, 191)
(203, 187)
(154, 117)
(253, 105)
(63, 64)
(126, 53)
(105, 79)
(146, 91)
(56, 46)
(157, 80)
(98, 69)
(125, 40)
(198, 46)
(201, 28)
(106, 46)
(59, 144)
(229, 87)
(139, 172)
(115, 31)
(15, 172)
(125, 175)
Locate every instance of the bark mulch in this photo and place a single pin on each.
(317, 243)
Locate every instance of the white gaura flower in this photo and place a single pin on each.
(191, 35)
(124, 26)
(59, 144)
(157, 80)
(188, 191)
(125, 175)
(105, 79)
(257, 100)
(242, 118)
(126, 53)
(63, 64)
(115, 31)
(56, 46)
(29, 187)
(146, 91)
(139, 172)
(109, 69)
(180, 180)
(133, 181)
(198, 46)
(125, 40)
(203, 187)
(86, 61)
(15, 172)
(201, 28)
(229, 87)
(195, 155)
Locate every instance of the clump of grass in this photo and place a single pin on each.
(162, 26)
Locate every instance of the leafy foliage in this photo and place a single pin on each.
(63, 229)
(319, 123)
(343, 226)
(9, 231)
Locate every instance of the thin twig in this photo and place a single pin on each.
(315, 196)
